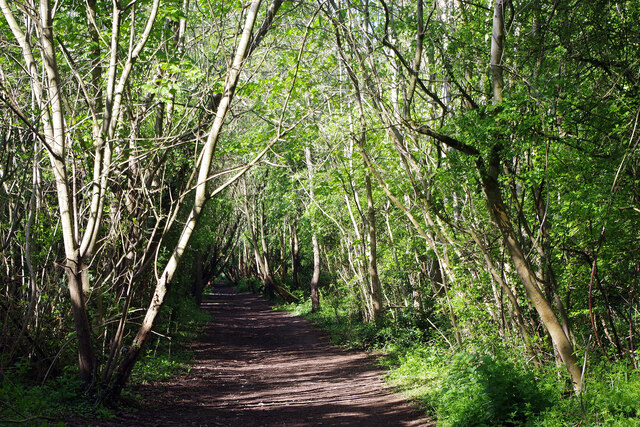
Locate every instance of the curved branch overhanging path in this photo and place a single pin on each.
(257, 367)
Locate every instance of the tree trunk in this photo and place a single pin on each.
(267, 275)
(315, 297)
(315, 279)
(201, 196)
(284, 266)
(295, 254)
(499, 213)
(527, 276)
(55, 133)
(497, 51)
(376, 289)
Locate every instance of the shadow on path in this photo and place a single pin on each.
(257, 367)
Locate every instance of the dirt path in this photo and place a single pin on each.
(257, 367)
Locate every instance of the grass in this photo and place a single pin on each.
(169, 355)
(33, 404)
(482, 386)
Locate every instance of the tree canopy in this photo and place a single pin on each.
(466, 168)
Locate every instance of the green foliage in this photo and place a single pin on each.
(42, 404)
(613, 395)
(484, 390)
(181, 322)
(489, 387)
(474, 389)
(339, 316)
(564, 128)
(419, 372)
(610, 398)
(158, 364)
(251, 284)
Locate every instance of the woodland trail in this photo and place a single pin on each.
(257, 367)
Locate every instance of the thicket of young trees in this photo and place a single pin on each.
(471, 167)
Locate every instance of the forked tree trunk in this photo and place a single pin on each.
(55, 134)
(78, 247)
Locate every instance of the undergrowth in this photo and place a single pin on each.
(483, 385)
(168, 355)
(29, 402)
(25, 402)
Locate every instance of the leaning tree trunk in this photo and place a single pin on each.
(529, 280)
(491, 187)
(201, 196)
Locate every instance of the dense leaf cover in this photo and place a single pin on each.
(471, 178)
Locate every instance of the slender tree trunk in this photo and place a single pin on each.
(284, 266)
(260, 257)
(315, 297)
(295, 254)
(357, 264)
(515, 310)
(376, 289)
(201, 196)
(497, 51)
(28, 261)
(315, 279)
(268, 280)
(55, 133)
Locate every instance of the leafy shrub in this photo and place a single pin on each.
(484, 390)
(616, 395)
(611, 398)
(42, 404)
(419, 372)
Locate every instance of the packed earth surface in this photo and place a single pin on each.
(258, 367)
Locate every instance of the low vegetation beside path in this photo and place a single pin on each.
(26, 399)
(485, 383)
(455, 184)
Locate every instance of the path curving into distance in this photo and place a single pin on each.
(258, 367)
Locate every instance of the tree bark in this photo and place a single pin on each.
(376, 289)
(315, 297)
(497, 51)
(55, 133)
(201, 196)
(295, 254)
